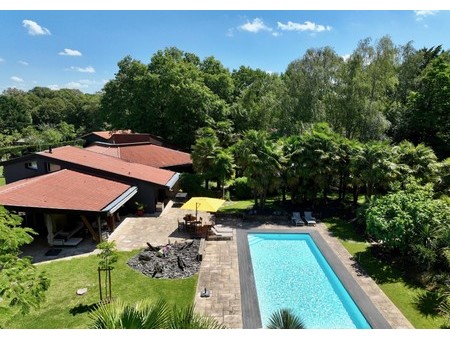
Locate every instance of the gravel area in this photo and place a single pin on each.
(171, 261)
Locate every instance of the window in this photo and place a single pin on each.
(31, 165)
(51, 167)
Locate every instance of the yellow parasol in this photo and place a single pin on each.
(203, 204)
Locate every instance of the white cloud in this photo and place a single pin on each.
(76, 85)
(345, 57)
(16, 79)
(34, 28)
(420, 15)
(255, 26)
(306, 26)
(88, 69)
(2, 60)
(23, 63)
(53, 87)
(70, 52)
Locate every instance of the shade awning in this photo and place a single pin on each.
(207, 204)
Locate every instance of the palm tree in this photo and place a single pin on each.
(148, 315)
(285, 319)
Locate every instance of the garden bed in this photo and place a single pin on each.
(171, 261)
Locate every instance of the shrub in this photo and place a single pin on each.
(242, 190)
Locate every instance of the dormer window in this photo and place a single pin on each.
(31, 165)
(51, 167)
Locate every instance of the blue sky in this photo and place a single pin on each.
(80, 49)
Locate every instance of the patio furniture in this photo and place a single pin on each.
(296, 219)
(214, 235)
(220, 228)
(309, 218)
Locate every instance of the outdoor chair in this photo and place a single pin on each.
(309, 218)
(219, 228)
(215, 235)
(296, 219)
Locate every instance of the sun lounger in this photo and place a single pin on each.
(309, 218)
(214, 235)
(223, 229)
(296, 219)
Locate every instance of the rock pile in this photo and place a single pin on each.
(171, 261)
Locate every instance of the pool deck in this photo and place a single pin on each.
(220, 273)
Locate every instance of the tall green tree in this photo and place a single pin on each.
(260, 159)
(311, 88)
(22, 287)
(427, 116)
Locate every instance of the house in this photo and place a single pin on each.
(124, 136)
(62, 202)
(146, 153)
(53, 173)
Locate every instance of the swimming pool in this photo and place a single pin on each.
(291, 272)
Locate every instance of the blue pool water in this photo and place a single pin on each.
(291, 272)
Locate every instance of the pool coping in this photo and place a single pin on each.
(251, 317)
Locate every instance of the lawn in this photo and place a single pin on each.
(416, 304)
(63, 309)
(237, 206)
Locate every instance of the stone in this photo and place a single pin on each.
(178, 261)
(82, 291)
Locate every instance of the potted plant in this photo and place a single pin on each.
(140, 208)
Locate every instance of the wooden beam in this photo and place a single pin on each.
(91, 230)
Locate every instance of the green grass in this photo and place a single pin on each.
(64, 309)
(416, 304)
(237, 206)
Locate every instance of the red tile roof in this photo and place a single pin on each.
(64, 189)
(110, 164)
(148, 154)
(107, 134)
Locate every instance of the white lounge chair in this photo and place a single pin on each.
(309, 218)
(215, 235)
(220, 228)
(296, 219)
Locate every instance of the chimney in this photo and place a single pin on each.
(50, 149)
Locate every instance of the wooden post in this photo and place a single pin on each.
(99, 227)
(91, 230)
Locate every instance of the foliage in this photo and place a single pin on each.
(241, 189)
(413, 223)
(260, 161)
(192, 184)
(285, 319)
(22, 287)
(108, 255)
(149, 315)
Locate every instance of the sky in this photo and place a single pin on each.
(81, 48)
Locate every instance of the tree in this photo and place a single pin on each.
(108, 256)
(311, 87)
(14, 113)
(427, 116)
(260, 160)
(148, 315)
(412, 223)
(285, 319)
(22, 287)
(367, 79)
